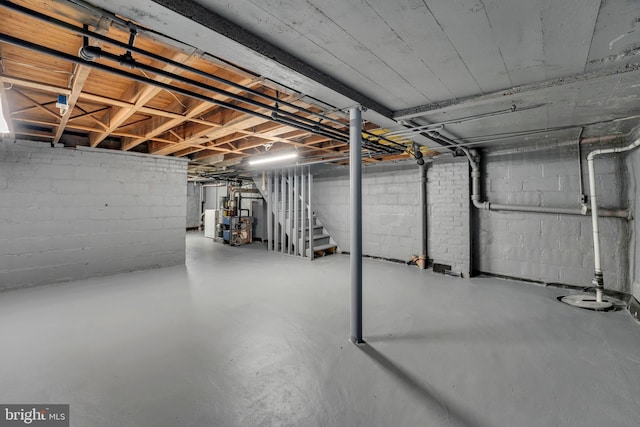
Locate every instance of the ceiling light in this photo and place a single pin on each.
(271, 159)
(4, 126)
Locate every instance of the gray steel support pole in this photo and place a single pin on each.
(311, 224)
(303, 206)
(270, 211)
(290, 213)
(283, 212)
(355, 168)
(276, 210)
(423, 214)
(296, 219)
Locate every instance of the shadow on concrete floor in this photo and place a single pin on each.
(446, 412)
(496, 334)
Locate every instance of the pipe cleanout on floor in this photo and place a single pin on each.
(243, 337)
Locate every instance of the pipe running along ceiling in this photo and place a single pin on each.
(130, 90)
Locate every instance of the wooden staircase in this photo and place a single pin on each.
(292, 226)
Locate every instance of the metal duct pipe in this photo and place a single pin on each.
(355, 167)
(598, 280)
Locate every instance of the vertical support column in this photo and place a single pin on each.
(355, 174)
(276, 210)
(283, 212)
(303, 207)
(311, 224)
(290, 212)
(296, 219)
(270, 211)
(423, 214)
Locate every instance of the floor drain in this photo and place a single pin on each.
(587, 302)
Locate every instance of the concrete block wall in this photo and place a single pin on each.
(632, 162)
(193, 204)
(545, 247)
(449, 214)
(68, 214)
(390, 202)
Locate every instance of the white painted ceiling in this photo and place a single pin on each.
(571, 62)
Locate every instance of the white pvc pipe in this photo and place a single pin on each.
(598, 280)
(479, 204)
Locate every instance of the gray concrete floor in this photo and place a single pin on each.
(241, 337)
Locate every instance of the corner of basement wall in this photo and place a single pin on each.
(633, 191)
(449, 214)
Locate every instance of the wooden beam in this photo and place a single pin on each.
(80, 77)
(98, 99)
(31, 107)
(239, 122)
(117, 116)
(90, 114)
(90, 129)
(36, 104)
(158, 127)
(30, 84)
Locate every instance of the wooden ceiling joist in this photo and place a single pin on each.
(6, 108)
(118, 115)
(80, 76)
(195, 120)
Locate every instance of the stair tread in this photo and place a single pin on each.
(318, 236)
(324, 247)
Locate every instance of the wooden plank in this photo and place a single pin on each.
(118, 116)
(37, 104)
(158, 127)
(43, 87)
(6, 109)
(80, 77)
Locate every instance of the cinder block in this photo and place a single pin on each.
(542, 184)
(525, 172)
(531, 198)
(571, 183)
(553, 228)
(560, 199)
(559, 168)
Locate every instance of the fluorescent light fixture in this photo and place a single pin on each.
(272, 159)
(4, 126)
